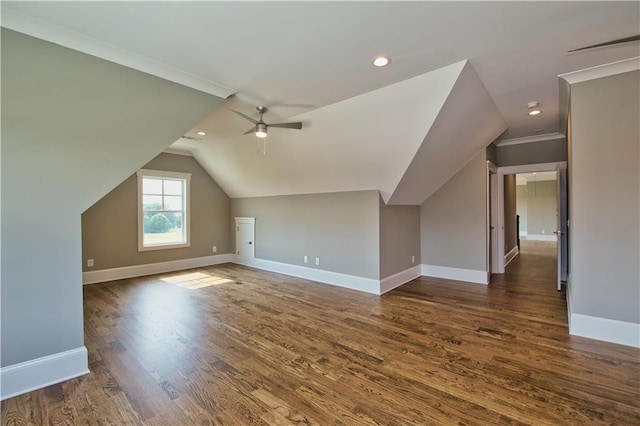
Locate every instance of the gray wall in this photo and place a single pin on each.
(399, 238)
(542, 202)
(73, 126)
(605, 201)
(510, 237)
(492, 153)
(118, 210)
(521, 206)
(453, 221)
(532, 153)
(341, 228)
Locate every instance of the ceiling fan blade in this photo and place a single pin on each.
(245, 116)
(251, 130)
(296, 125)
(607, 43)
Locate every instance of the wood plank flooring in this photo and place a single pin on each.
(237, 346)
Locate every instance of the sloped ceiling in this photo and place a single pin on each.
(468, 122)
(406, 140)
(311, 61)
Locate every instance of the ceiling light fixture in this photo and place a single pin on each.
(261, 130)
(532, 106)
(201, 133)
(381, 61)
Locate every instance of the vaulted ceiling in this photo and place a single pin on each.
(461, 73)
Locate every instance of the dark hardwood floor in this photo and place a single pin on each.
(233, 345)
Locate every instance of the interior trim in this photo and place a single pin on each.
(606, 70)
(35, 374)
(529, 139)
(511, 255)
(458, 274)
(368, 285)
(396, 280)
(92, 277)
(608, 330)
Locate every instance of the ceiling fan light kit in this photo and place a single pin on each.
(261, 128)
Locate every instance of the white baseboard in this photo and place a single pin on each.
(402, 277)
(92, 277)
(539, 237)
(523, 233)
(510, 256)
(608, 330)
(41, 372)
(368, 285)
(459, 274)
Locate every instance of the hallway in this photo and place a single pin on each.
(537, 261)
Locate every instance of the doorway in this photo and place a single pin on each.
(532, 231)
(561, 228)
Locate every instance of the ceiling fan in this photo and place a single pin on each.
(260, 128)
(607, 43)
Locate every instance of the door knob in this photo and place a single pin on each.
(250, 242)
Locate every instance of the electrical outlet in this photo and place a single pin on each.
(413, 259)
(215, 249)
(89, 263)
(306, 259)
(317, 260)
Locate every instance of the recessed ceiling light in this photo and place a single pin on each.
(381, 61)
(531, 105)
(201, 133)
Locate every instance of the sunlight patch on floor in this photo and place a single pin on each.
(195, 280)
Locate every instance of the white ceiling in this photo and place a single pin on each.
(302, 59)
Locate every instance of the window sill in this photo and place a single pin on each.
(163, 247)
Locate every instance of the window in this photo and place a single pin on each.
(163, 210)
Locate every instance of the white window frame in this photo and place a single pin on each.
(142, 173)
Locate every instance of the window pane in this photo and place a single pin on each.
(172, 203)
(173, 187)
(151, 202)
(171, 237)
(151, 186)
(163, 228)
(175, 219)
(164, 216)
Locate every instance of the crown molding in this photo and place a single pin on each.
(72, 40)
(177, 151)
(619, 67)
(528, 139)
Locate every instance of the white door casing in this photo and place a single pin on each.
(511, 170)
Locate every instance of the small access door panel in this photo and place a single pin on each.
(245, 239)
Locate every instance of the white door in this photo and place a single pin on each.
(562, 227)
(245, 244)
